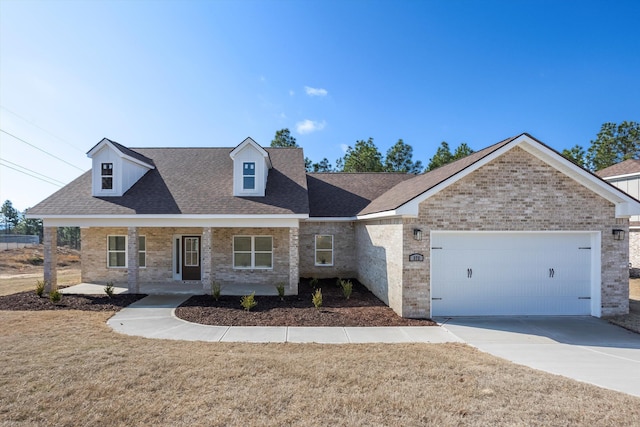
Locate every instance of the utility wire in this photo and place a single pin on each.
(41, 128)
(32, 171)
(33, 176)
(40, 149)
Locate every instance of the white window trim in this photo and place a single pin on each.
(126, 251)
(102, 176)
(315, 253)
(126, 242)
(142, 251)
(253, 169)
(253, 253)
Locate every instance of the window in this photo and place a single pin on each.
(142, 251)
(117, 251)
(191, 251)
(249, 176)
(107, 176)
(253, 252)
(324, 250)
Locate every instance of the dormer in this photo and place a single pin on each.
(251, 166)
(115, 168)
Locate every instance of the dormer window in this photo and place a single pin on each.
(107, 176)
(249, 175)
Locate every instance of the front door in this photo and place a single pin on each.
(190, 258)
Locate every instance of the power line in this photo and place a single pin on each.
(32, 171)
(40, 149)
(41, 128)
(33, 176)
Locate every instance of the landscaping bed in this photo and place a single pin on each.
(361, 309)
(30, 301)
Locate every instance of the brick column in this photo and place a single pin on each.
(294, 260)
(132, 260)
(50, 243)
(205, 252)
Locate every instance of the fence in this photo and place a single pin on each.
(13, 241)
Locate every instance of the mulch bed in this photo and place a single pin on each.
(29, 301)
(362, 309)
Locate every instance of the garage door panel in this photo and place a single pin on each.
(510, 273)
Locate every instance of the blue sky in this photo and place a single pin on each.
(211, 73)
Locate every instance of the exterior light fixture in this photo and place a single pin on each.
(417, 234)
(617, 234)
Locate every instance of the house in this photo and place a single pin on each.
(512, 229)
(626, 176)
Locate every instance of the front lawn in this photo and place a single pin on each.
(68, 368)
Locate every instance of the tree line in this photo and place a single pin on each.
(613, 144)
(15, 222)
(364, 156)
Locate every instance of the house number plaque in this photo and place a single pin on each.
(416, 258)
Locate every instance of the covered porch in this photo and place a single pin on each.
(153, 260)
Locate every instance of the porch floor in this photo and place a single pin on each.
(173, 288)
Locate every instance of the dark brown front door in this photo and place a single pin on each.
(190, 258)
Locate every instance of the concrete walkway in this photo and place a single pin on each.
(585, 348)
(582, 348)
(153, 317)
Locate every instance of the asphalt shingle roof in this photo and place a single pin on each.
(190, 181)
(346, 194)
(627, 167)
(410, 189)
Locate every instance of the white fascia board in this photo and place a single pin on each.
(378, 215)
(222, 221)
(625, 204)
(250, 141)
(105, 141)
(621, 177)
(331, 219)
(412, 207)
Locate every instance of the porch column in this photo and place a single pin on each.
(50, 243)
(294, 261)
(206, 277)
(132, 260)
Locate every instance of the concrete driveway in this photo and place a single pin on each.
(583, 348)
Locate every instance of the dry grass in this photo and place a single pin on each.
(630, 321)
(69, 368)
(21, 268)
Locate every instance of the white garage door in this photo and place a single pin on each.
(510, 274)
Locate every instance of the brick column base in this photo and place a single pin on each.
(50, 243)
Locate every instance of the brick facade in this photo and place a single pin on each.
(216, 253)
(532, 196)
(344, 252)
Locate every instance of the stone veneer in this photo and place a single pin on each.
(344, 251)
(216, 251)
(515, 192)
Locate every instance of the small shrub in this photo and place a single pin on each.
(55, 296)
(40, 284)
(248, 301)
(215, 290)
(347, 288)
(280, 288)
(314, 282)
(316, 298)
(109, 289)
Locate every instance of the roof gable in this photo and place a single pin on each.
(404, 198)
(122, 151)
(249, 142)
